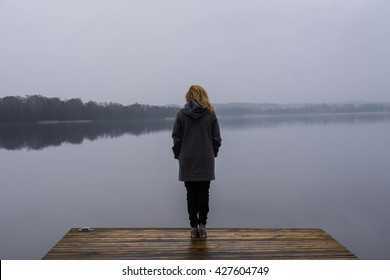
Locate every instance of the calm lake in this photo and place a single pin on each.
(324, 171)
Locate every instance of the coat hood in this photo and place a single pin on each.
(194, 110)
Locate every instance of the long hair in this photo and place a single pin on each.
(199, 95)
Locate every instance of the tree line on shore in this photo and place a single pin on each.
(239, 109)
(35, 108)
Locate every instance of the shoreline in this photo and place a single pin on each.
(67, 121)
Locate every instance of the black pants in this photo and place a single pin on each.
(197, 201)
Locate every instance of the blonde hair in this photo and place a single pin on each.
(199, 95)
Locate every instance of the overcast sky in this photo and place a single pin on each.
(151, 51)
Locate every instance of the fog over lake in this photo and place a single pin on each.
(312, 171)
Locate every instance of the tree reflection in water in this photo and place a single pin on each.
(40, 136)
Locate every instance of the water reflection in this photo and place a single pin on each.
(40, 136)
(308, 120)
(273, 172)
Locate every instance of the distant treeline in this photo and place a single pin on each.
(36, 108)
(240, 109)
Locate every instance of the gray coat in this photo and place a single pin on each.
(196, 141)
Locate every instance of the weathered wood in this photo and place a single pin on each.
(175, 243)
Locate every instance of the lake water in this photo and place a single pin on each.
(327, 171)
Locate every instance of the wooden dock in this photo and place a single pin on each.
(220, 244)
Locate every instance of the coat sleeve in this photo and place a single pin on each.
(177, 136)
(217, 140)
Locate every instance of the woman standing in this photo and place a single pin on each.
(196, 141)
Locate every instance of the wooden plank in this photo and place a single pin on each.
(175, 243)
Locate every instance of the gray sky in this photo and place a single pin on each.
(151, 51)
